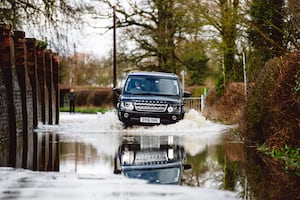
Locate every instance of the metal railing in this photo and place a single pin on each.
(197, 103)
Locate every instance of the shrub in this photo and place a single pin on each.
(220, 85)
(99, 97)
(81, 98)
(229, 106)
(258, 104)
(272, 110)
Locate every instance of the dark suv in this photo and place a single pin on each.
(150, 98)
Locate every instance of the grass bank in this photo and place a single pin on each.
(228, 108)
(87, 109)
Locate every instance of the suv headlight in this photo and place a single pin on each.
(173, 109)
(170, 109)
(127, 105)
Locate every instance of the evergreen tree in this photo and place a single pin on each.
(195, 60)
(266, 32)
(228, 32)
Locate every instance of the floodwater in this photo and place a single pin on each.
(91, 156)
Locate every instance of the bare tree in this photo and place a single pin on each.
(46, 19)
(223, 19)
(154, 27)
(85, 69)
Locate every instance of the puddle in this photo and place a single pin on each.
(95, 155)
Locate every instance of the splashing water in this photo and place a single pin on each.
(108, 123)
(193, 122)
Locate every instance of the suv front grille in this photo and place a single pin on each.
(152, 106)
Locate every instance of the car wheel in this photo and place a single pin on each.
(127, 125)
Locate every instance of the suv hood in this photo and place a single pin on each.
(151, 98)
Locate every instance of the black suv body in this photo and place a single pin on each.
(150, 98)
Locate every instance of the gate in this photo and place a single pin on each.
(197, 103)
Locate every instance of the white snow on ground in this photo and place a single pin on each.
(24, 184)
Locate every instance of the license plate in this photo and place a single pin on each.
(151, 120)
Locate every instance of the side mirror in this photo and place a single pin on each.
(187, 94)
(117, 91)
(187, 167)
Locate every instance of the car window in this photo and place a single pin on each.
(153, 85)
(135, 85)
(168, 86)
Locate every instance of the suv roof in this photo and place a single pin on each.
(164, 74)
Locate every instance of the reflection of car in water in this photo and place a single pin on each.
(150, 98)
(156, 159)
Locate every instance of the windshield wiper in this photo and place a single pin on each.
(148, 93)
(167, 94)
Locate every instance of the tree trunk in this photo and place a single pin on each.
(165, 34)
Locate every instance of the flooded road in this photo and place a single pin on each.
(90, 156)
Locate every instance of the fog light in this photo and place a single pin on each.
(126, 115)
(174, 117)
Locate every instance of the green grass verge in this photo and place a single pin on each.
(88, 109)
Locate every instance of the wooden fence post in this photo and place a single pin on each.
(4, 67)
(32, 73)
(41, 77)
(49, 84)
(7, 67)
(22, 77)
(55, 61)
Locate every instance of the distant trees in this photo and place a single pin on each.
(195, 60)
(153, 26)
(227, 26)
(85, 69)
(172, 35)
(273, 30)
(161, 33)
(223, 18)
(266, 31)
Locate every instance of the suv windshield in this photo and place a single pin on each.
(149, 85)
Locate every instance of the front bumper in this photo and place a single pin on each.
(148, 118)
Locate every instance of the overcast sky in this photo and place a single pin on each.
(96, 41)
